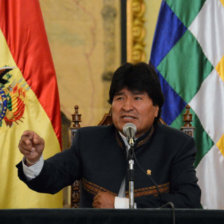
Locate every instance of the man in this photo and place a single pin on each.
(98, 155)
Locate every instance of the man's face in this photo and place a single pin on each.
(133, 107)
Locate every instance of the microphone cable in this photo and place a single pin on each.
(149, 176)
(157, 188)
(172, 208)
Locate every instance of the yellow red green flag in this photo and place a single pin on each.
(28, 98)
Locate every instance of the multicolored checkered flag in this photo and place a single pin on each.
(188, 53)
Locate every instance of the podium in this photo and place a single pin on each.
(109, 216)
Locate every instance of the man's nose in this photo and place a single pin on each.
(128, 105)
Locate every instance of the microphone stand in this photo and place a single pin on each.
(131, 173)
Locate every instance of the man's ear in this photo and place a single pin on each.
(156, 112)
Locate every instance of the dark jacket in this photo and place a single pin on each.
(98, 157)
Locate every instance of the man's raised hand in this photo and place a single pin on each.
(31, 146)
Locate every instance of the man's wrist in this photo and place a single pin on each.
(28, 162)
(33, 170)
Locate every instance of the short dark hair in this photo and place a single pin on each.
(140, 77)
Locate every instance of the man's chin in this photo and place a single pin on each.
(128, 120)
(121, 124)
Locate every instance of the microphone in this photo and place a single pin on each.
(129, 131)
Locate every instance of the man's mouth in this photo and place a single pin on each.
(128, 117)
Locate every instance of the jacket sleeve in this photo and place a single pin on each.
(58, 171)
(184, 191)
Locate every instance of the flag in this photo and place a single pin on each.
(188, 54)
(29, 99)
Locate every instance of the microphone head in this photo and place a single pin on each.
(129, 130)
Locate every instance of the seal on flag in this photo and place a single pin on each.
(12, 98)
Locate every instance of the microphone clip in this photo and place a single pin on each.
(131, 142)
